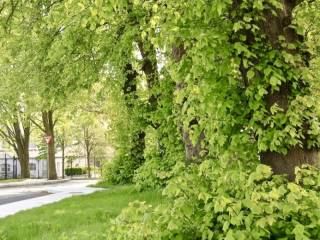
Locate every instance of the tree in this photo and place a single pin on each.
(259, 93)
(89, 130)
(40, 60)
(64, 137)
(15, 130)
(284, 88)
(232, 82)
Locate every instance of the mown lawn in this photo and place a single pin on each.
(10, 180)
(81, 217)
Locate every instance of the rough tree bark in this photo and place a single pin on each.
(149, 67)
(274, 26)
(192, 151)
(17, 135)
(22, 138)
(130, 93)
(48, 124)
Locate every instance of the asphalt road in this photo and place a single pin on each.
(21, 196)
(13, 200)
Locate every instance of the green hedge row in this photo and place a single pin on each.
(75, 171)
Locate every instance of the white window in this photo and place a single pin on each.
(3, 167)
(32, 166)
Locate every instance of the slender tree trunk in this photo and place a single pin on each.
(88, 147)
(94, 166)
(192, 150)
(149, 67)
(88, 164)
(47, 119)
(63, 156)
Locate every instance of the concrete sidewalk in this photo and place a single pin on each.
(32, 182)
(18, 199)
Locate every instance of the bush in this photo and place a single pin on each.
(74, 171)
(153, 174)
(119, 171)
(3, 236)
(159, 158)
(211, 202)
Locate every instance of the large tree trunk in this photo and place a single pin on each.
(276, 26)
(285, 164)
(273, 27)
(130, 92)
(47, 119)
(23, 156)
(22, 137)
(25, 172)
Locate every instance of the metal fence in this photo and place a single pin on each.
(8, 167)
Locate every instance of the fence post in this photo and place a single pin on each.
(5, 167)
(13, 168)
(15, 163)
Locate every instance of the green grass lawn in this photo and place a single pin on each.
(81, 217)
(10, 180)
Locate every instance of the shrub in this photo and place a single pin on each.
(211, 202)
(120, 170)
(153, 174)
(161, 153)
(74, 171)
(109, 173)
(3, 236)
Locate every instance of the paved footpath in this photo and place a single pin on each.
(16, 199)
(31, 182)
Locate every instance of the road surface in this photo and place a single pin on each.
(13, 200)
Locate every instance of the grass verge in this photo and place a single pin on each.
(80, 217)
(10, 180)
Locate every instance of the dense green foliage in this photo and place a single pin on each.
(222, 87)
(208, 203)
(74, 171)
(196, 94)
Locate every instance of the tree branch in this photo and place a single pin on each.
(38, 125)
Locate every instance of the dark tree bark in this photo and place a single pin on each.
(130, 85)
(130, 93)
(274, 26)
(48, 124)
(193, 151)
(63, 156)
(17, 135)
(22, 147)
(149, 67)
(88, 144)
(88, 164)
